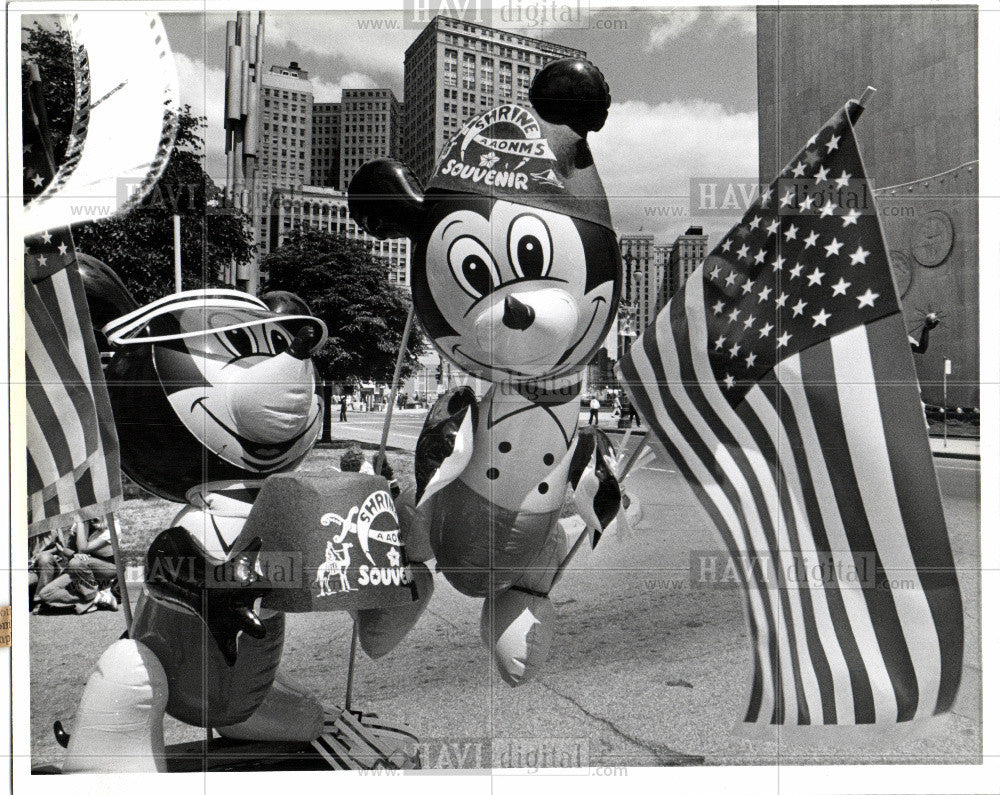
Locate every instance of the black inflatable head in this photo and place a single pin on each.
(515, 267)
(107, 296)
(212, 385)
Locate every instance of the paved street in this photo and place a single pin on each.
(643, 668)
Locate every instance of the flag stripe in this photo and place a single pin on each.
(824, 647)
(718, 467)
(871, 681)
(68, 307)
(747, 472)
(55, 406)
(865, 436)
(720, 508)
(913, 468)
(818, 377)
(854, 681)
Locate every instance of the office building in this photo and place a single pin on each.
(687, 253)
(642, 280)
(326, 145)
(454, 70)
(918, 136)
(286, 121)
(325, 209)
(370, 128)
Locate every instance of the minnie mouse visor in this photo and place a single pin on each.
(197, 312)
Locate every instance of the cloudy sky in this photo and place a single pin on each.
(683, 82)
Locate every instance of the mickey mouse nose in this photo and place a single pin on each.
(517, 315)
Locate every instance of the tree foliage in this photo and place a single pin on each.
(349, 289)
(139, 245)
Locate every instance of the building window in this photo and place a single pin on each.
(451, 67)
(468, 71)
(506, 80)
(523, 83)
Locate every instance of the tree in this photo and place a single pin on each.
(349, 289)
(138, 245)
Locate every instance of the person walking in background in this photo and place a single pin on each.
(343, 407)
(595, 406)
(633, 415)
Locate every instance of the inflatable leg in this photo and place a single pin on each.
(518, 627)
(119, 723)
(288, 712)
(381, 629)
(518, 624)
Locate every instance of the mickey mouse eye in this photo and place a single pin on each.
(241, 341)
(529, 246)
(473, 267)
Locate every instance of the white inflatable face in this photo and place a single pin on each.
(513, 288)
(242, 395)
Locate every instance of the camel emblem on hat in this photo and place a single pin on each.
(336, 564)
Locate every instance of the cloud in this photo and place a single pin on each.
(325, 91)
(370, 41)
(675, 24)
(204, 89)
(648, 154)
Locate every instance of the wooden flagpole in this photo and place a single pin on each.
(377, 466)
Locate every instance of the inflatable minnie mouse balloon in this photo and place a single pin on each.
(516, 277)
(212, 391)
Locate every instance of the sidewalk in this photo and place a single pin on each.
(956, 446)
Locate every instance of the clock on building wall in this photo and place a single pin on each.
(932, 239)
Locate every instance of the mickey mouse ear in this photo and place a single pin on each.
(385, 198)
(573, 92)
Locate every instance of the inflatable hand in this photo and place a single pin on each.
(178, 573)
(444, 447)
(596, 493)
(381, 629)
(414, 525)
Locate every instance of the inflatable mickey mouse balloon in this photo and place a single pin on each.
(516, 277)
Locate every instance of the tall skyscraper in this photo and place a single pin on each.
(370, 128)
(454, 70)
(326, 145)
(286, 122)
(687, 253)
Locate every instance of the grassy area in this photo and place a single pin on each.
(144, 516)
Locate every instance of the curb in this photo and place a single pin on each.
(963, 456)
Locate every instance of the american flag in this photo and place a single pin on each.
(780, 380)
(73, 465)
